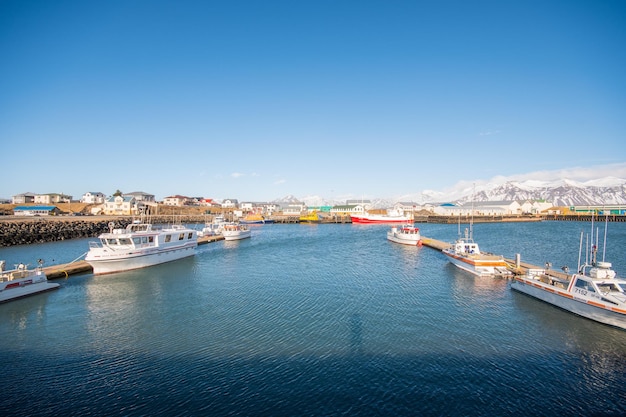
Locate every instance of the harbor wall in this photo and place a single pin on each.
(41, 230)
(24, 231)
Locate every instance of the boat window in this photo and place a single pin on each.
(181, 236)
(607, 288)
(111, 241)
(581, 283)
(168, 238)
(190, 235)
(124, 241)
(144, 240)
(151, 239)
(137, 240)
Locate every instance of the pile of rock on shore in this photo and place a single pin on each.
(41, 230)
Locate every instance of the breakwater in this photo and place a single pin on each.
(23, 233)
(41, 230)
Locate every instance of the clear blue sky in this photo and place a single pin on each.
(256, 100)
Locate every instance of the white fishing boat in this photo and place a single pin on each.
(213, 228)
(594, 292)
(465, 254)
(236, 231)
(140, 245)
(405, 234)
(22, 282)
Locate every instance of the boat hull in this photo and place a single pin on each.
(238, 235)
(477, 265)
(381, 219)
(405, 236)
(256, 221)
(108, 264)
(24, 287)
(613, 317)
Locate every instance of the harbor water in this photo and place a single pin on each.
(313, 320)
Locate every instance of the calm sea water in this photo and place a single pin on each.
(312, 320)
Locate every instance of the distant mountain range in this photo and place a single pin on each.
(608, 190)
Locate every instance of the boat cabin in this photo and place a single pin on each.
(462, 246)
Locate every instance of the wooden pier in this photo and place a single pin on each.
(511, 263)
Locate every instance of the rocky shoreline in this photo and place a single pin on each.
(40, 230)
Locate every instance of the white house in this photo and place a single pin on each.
(52, 198)
(366, 204)
(347, 209)
(140, 196)
(230, 203)
(120, 206)
(482, 208)
(93, 197)
(23, 198)
(175, 200)
(534, 207)
(406, 206)
(294, 209)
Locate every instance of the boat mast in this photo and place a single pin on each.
(471, 227)
(606, 228)
(580, 251)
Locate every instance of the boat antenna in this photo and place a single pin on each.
(580, 251)
(471, 227)
(606, 228)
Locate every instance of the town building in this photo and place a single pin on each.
(93, 197)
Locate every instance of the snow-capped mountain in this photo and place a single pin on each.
(564, 192)
(559, 193)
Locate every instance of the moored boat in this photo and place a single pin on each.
(22, 282)
(255, 218)
(405, 234)
(594, 292)
(213, 228)
(312, 217)
(140, 245)
(465, 254)
(236, 231)
(392, 216)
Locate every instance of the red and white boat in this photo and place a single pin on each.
(236, 231)
(392, 216)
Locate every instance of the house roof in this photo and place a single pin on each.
(33, 208)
